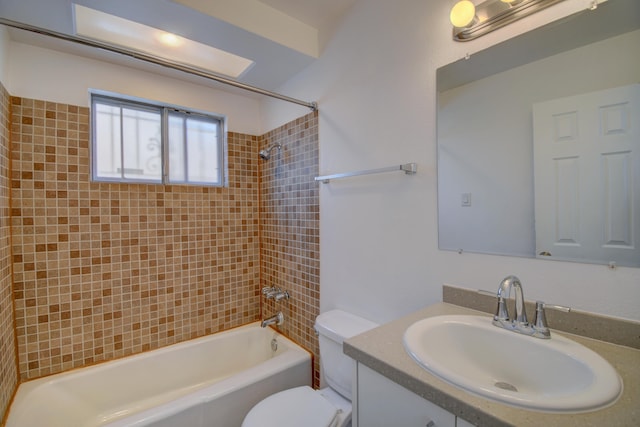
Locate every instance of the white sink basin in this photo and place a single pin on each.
(554, 375)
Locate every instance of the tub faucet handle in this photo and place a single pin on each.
(275, 293)
(280, 295)
(270, 292)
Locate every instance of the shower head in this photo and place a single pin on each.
(266, 154)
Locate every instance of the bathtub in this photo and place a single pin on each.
(210, 381)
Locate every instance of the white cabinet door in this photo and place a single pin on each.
(383, 403)
(462, 423)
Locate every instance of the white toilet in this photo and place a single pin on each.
(328, 407)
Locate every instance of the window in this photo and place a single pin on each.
(136, 141)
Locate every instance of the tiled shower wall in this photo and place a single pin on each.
(104, 270)
(289, 218)
(8, 368)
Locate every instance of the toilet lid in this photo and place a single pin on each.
(300, 406)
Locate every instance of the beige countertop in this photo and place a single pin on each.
(381, 349)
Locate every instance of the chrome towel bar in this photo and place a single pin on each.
(407, 168)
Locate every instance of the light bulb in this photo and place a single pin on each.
(169, 39)
(463, 14)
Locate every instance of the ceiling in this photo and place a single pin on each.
(282, 37)
(320, 14)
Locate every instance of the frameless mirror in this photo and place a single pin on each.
(539, 142)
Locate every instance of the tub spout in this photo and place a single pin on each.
(276, 319)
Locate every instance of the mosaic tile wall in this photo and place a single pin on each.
(105, 270)
(290, 227)
(8, 368)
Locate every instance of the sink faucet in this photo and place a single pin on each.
(502, 313)
(276, 319)
(519, 323)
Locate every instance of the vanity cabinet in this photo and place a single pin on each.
(380, 402)
(462, 423)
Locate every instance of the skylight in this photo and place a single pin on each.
(96, 25)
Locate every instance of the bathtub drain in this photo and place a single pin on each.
(274, 345)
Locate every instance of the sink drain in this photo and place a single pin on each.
(505, 386)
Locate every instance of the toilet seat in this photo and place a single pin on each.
(295, 407)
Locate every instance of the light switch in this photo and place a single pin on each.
(466, 199)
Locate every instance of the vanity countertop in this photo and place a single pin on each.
(381, 349)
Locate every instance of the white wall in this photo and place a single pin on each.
(375, 85)
(4, 54)
(50, 75)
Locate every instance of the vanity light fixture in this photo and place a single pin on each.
(471, 21)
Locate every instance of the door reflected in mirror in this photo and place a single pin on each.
(539, 146)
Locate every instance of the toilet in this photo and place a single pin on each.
(330, 406)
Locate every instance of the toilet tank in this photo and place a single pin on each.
(333, 328)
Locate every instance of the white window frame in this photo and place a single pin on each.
(164, 110)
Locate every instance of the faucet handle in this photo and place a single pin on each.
(280, 295)
(540, 325)
(502, 313)
(275, 293)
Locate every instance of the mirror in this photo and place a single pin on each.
(539, 146)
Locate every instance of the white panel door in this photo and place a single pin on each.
(587, 176)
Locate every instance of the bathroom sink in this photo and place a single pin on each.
(550, 375)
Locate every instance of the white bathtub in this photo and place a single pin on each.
(210, 381)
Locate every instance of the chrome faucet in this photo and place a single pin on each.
(502, 316)
(276, 319)
(519, 323)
